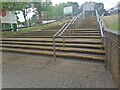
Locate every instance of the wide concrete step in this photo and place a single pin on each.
(40, 34)
(76, 31)
(72, 32)
(92, 30)
(59, 40)
(43, 31)
(67, 31)
(97, 46)
(85, 29)
(58, 54)
(67, 49)
(66, 34)
(87, 24)
(93, 37)
(83, 34)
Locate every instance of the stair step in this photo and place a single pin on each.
(59, 54)
(78, 50)
(54, 31)
(84, 34)
(57, 44)
(80, 41)
(67, 34)
(95, 37)
(85, 29)
(40, 32)
(76, 31)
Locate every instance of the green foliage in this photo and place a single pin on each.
(55, 11)
(112, 22)
(14, 5)
(10, 34)
(100, 8)
(22, 6)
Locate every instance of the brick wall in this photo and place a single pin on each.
(113, 55)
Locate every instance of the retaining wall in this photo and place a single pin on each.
(113, 53)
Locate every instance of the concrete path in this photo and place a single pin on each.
(28, 71)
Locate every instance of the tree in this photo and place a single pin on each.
(100, 8)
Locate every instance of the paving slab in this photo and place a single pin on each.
(35, 71)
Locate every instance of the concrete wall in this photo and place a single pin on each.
(114, 55)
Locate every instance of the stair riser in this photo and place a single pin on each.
(55, 41)
(74, 32)
(67, 31)
(40, 33)
(62, 56)
(83, 34)
(88, 52)
(49, 45)
(56, 37)
(53, 34)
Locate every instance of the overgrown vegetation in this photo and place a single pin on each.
(111, 22)
(10, 33)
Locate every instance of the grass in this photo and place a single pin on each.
(111, 22)
(10, 33)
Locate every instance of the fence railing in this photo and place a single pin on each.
(61, 32)
(103, 38)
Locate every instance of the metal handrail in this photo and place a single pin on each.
(100, 24)
(60, 30)
(66, 27)
(57, 34)
(60, 33)
(101, 28)
(104, 38)
(72, 22)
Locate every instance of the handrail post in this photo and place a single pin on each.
(102, 42)
(69, 31)
(63, 39)
(54, 51)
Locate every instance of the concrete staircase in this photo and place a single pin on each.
(84, 43)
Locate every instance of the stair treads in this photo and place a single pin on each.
(43, 30)
(57, 44)
(66, 34)
(82, 34)
(85, 29)
(90, 41)
(59, 54)
(66, 49)
(95, 37)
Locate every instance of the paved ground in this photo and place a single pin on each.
(28, 71)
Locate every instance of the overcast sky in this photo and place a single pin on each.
(108, 3)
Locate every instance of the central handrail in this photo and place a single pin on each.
(61, 32)
(64, 26)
